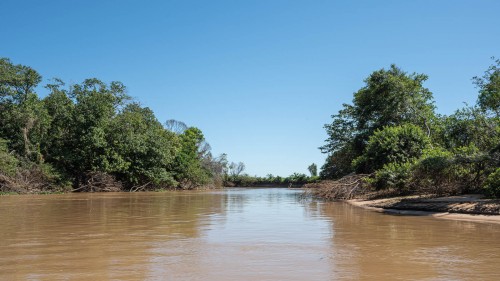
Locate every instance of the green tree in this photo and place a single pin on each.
(489, 88)
(17, 81)
(143, 150)
(23, 118)
(187, 167)
(57, 146)
(338, 163)
(389, 98)
(469, 126)
(96, 104)
(313, 169)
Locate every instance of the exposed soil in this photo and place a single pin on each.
(465, 207)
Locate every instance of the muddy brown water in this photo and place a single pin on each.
(237, 234)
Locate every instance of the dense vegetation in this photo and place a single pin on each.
(93, 137)
(392, 134)
(294, 180)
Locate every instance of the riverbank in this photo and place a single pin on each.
(471, 207)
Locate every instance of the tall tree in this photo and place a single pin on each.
(143, 149)
(187, 166)
(96, 104)
(389, 97)
(313, 169)
(57, 145)
(235, 169)
(23, 118)
(489, 88)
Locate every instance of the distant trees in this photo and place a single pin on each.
(313, 170)
(235, 169)
(295, 180)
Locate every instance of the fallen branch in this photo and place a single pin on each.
(348, 187)
(135, 189)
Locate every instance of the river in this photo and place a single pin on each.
(235, 234)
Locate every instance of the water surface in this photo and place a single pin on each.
(237, 234)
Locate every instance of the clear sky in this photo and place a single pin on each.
(259, 78)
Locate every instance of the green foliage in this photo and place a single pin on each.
(58, 145)
(398, 144)
(297, 178)
(389, 98)
(16, 81)
(21, 175)
(435, 171)
(391, 130)
(23, 118)
(471, 166)
(8, 162)
(313, 169)
(492, 184)
(338, 164)
(141, 149)
(393, 175)
(489, 88)
(435, 161)
(469, 126)
(341, 131)
(392, 97)
(96, 105)
(91, 132)
(187, 167)
(461, 170)
(246, 180)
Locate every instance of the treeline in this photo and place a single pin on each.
(93, 137)
(294, 180)
(392, 134)
(236, 177)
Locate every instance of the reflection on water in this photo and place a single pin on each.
(373, 246)
(237, 234)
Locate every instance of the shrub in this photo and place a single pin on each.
(393, 175)
(397, 144)
(492, 184)
(442, 172)
(472, 166)
(8, 162)
(434, 172)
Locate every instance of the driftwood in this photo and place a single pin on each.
(30, 180)
(140, 187)
(348, 187)
(99, 182)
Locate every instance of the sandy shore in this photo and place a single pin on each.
(466, 207)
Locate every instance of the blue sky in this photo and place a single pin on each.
(259, 78)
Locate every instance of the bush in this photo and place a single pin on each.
(398, 144)
(472, 166)
(393, 175)
(492, 184)
(442, 172)
(8, 162)
(435, 172)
